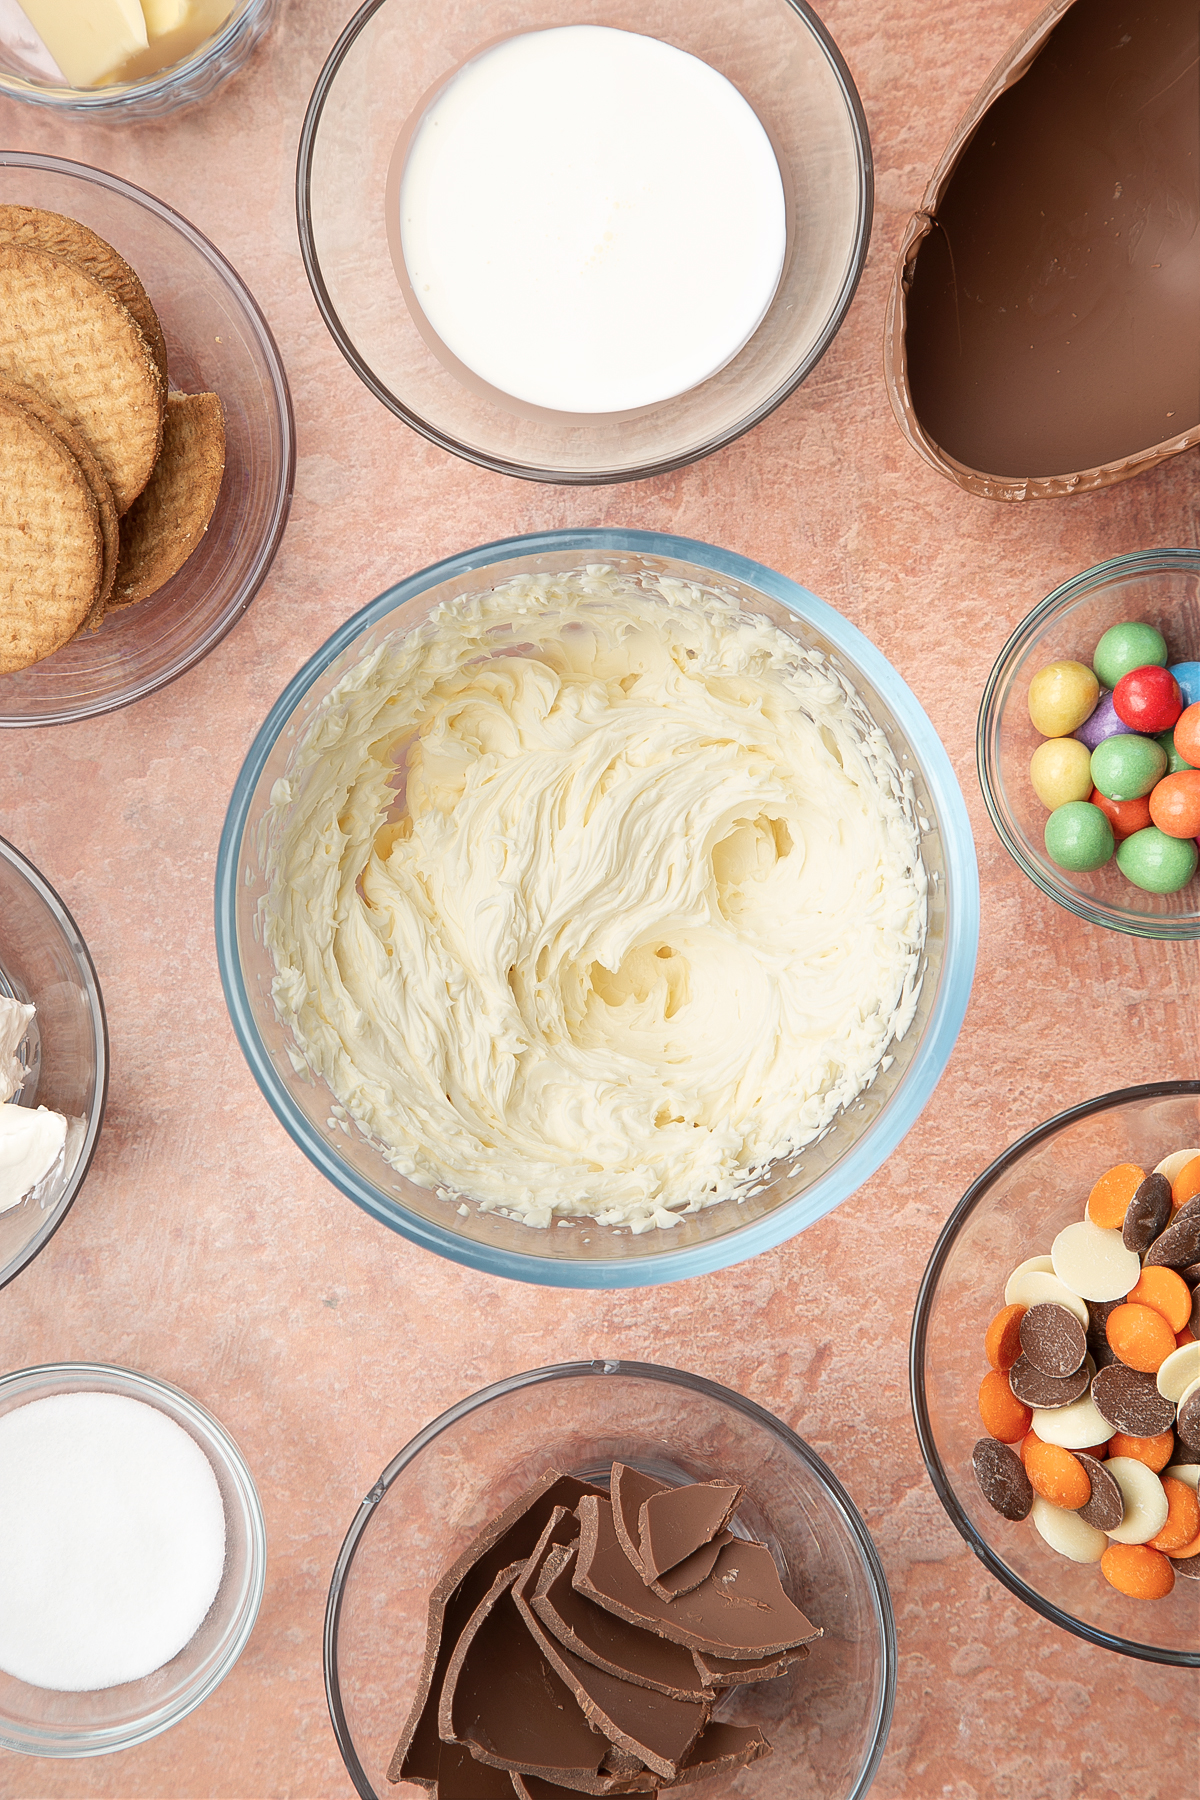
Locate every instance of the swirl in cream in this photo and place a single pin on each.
(594, 896)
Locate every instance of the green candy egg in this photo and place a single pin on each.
(1175, 762)
(1127, 766)
(1061, 770)
(1061, 697)
(1155, 862)
(1078, 836)
(1131, 645)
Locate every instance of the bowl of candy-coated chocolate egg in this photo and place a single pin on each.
(1088, 745)
(1056, 1374)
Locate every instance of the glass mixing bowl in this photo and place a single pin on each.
(193, 77)
(581, 1253)
(1161, 587)
(217, 342)
(1013, 1211)
(44, 962)
(827, 1719)
(385, 67)
(43, 1722)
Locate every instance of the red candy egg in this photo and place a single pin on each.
(1148, 699)
(1125, 816)
(1175, 804)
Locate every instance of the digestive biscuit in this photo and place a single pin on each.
(51, 543)
(169, 518)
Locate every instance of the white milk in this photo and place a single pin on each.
(592, 220)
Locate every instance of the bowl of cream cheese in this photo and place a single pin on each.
(597, 908)
(53, 1061)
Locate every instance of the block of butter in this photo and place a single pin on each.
(164, 15)
(88, 38)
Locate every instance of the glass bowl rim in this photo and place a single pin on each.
(929, 1061)
(654, 1372)
(83, 101)
(1135, 562)
(500, 465)
(942, 1485)
(216, 1437)
(285, 480)
(82, 958)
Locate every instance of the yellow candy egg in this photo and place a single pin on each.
(1061, 770)
(1061, 696)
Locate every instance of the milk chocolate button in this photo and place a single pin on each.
(1187, 1566)
(1179, 1244)
(1099, 1348)
(1131, 1402)
(1002, 1479)
(1093, 1262)
(1147, 1214)
(1032, 1388)
(1187, 1425)
(1053, 1340)
(1106, 1508)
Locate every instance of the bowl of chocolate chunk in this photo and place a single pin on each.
(53, 1061)
(1042, 332)
(596, 908)
(609, 1578)
(1055, 1365)
(146, 441)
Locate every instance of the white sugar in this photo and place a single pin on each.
(112, 1540)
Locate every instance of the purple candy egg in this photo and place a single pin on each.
(1102, 722)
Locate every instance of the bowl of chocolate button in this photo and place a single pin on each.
(1094, 792)
(535, 1596)
(1055, 1369)
(1053, 240)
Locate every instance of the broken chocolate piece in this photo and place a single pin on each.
(1002, 1479)
(740, 1609)
(1053, 1340)
(1131, 1402)
(719, 1750)
(724, 1671)
(676, 1523)
(639, 1720)
(1032, 1388)
(629, 1490)
(536, 1787)
(692, 1570)
(506, 1704)
(1147, 1214)
(613, 1644)
(506, 1539)
(1106, 1507)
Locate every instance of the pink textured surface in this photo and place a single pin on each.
(204, 1249)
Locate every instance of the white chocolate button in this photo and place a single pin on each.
(1145, 1498)
(1067, 1533)
(1033, 1265)
(1074, 1427)
(1038, 1286)
(1094, 1262)
(1188, 1473)
(1178, 1372)
(1170, 1166)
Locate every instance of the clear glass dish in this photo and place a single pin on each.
(192, 78)
(1014, 1211)
(827, 1718)
(219, 342)
(44, 962)
(581, 1253)
(42, 1722)
(384, 67)
(1161, 587)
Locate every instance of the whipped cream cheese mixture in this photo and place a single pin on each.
(593, 897)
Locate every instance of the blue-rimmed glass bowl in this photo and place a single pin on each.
(581, 1253)
(1015, 1210)
(1161, 587)
(827, 1719)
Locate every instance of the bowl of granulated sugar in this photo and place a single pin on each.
(132, 1558)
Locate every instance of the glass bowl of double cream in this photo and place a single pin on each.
(576, 253)
(597, 908)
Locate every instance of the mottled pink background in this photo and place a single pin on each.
(204, 1248)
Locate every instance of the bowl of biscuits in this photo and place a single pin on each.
(146, 441)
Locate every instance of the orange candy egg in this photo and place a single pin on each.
(1187, 734)
(1175, 804)
(1125, 816)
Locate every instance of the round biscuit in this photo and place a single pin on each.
(171, 515)
(51, 546)
(78, 244)
(62, 333)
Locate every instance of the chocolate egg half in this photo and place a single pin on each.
(1043, 329)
